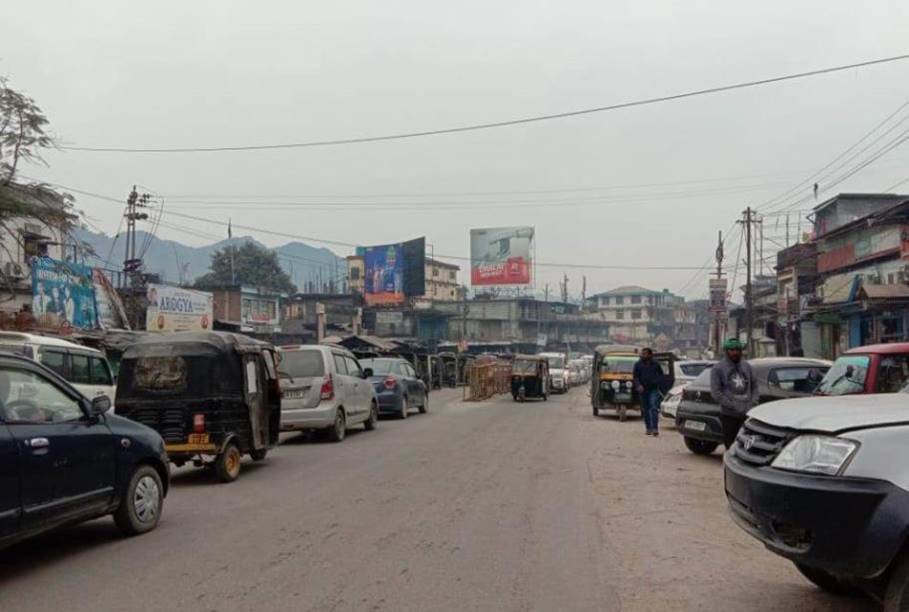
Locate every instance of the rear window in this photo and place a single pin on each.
(301, 364)
(379, 366)
(694, 369)
(161, 373)
(524, 366)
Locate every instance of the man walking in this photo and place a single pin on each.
(734, 388)
(647, 377)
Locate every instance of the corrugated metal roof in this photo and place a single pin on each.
(883, 292)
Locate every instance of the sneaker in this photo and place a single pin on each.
(649, 433)
(655, 434)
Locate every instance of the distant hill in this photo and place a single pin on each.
(179, 263)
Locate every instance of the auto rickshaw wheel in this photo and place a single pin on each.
(227, 463)
(622, 413)
(258, 454)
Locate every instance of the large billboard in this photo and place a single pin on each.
(174, 309)
(395, 271)
(63, 294)
(500, 255)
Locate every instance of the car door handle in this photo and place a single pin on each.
(38, 443)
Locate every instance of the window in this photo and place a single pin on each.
(301, 364)
(435, 271)
(619, 300)
(846, 376)
(797, 380)
(53, 360)
(636, 313)
(892, 373)
(340, 366)
(161, 373)
(452, 275)
(80, 372)
(355, 274)
(635, 299)
(353, 366)
(100, 374)
(26, 397)
(619, 314)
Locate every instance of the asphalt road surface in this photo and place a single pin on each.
(474, 506)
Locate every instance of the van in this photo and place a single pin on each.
(85, 368)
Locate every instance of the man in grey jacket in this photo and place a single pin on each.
(735, 389)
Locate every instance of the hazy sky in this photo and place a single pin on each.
(179, 74)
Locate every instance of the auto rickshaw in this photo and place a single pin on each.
(612, 383)
(213, 396)
(530, 377)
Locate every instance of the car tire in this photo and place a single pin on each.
(227, 463)
(370, 423)
(700, 447)
(425, 407)
(405, 408)
(830, 583)
(338, 431)
(258, 454)
(142, 502)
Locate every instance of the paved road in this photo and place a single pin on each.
(475, 506)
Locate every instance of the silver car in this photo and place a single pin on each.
(324, 388)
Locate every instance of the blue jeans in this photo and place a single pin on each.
(650, 407)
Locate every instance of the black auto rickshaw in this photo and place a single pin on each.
(529, 377)
(213, 396)
(612, 382)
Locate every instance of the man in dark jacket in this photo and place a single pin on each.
(647, 378)
(735, 389)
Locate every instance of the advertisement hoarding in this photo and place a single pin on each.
(109, 307)
(174, 309)
(259, 310)
(501, 255)
(63, 294)
(717, 288)
(395, 271)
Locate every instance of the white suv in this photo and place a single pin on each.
(324, 388)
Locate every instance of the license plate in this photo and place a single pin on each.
(197, 439)
(623, 397)
(295, 394)
(695, 425)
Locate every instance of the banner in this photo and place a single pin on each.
(717, 288)
(63, 294)
(500, 255)
(173, 309)
(110, 310)
(395, 271)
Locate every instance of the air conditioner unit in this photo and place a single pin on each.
(13, 270)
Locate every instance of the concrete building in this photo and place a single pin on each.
(356, 274)
(441, 280)
(248, 309)
(637, 315)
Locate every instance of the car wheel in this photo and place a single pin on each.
(828, 582)
(258, 454)
(337, 431)
(896, 595)
(142, 502)
(425, 407)
(700, 447)
(405, 408)
(227, 464)
(370, 423)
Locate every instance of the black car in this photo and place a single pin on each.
(63, 460)
(698, 414)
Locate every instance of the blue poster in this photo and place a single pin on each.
(384, 274)
(63, 293)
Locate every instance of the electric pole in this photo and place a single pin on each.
(749, 304)
(131, 265)
(718, 298)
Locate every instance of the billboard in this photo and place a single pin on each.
(717, 288)
(500, 255)
(110, 311)
(395, 271)
(173, 309)
(63, 294)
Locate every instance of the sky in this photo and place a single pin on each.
(649, 186)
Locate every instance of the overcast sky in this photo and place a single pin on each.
(184, 74)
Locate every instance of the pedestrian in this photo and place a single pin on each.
(647, 378)
(735, 389)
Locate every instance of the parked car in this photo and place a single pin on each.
(397, 386)
(685, 372)
(698, 414)
(63, 460)
(325, 389)
(877, 368)
(574, 374)
(87, 369)
(821, 482)
(558, 371)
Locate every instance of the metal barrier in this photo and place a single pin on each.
(487, 379)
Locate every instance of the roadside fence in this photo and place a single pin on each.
(485, 379)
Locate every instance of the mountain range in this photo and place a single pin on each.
(176, 262)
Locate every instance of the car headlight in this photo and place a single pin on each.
(628, 384)
(616, 385)
(815, 454)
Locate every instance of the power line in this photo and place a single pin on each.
(490, 125)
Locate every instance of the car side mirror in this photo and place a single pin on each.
(367, 373)
(100, 405)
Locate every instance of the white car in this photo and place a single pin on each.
(558, 371)
(85, 368)
(671, 401)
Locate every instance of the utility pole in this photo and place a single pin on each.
(131, 265)
(718, 306)
(749, 304)
(565, 288)
(583, 292)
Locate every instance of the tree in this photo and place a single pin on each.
(253, 265)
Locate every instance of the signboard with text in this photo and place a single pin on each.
(175, 309)
(395, 272)
(501, 255)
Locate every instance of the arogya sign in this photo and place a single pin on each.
(177, 309)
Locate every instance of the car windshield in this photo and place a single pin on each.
(618, 365)
(379, 366)
(301, 364)
(694, 369)
(556, 362)
(524, 366)
(846, 376)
